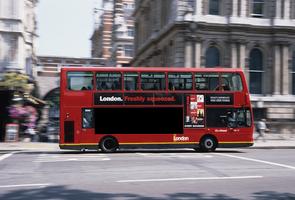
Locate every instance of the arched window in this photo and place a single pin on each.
(212, 57)
(293, 73)
(255, 71)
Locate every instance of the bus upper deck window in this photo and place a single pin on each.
(130, 81)
(232, 80)
(108, 81)
(80, 81)
(153, 81)
(207, 81)
(180, 81)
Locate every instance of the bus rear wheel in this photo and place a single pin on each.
(208, 143)
(108, 144)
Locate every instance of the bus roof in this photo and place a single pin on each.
(152, 69)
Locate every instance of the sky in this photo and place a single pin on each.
(64, 27)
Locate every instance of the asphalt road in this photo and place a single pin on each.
(158, 175)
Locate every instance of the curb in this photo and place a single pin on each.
(272, 147)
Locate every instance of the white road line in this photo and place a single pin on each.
(190, 179)
(70, 160)
(6, 156)
(26, 185)
(256, 160)
(70, 156)
(172, 155)
(46, 158)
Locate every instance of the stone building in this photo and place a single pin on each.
(123, 33)
(255, 35)
(101, 39)
(17, 53)
(113, 35)
(17, 35)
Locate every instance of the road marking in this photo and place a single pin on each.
(71, 160)
(256, 160)
(6, 156)
(45, 158)
(174, 155)
(190, 179)
(26, 185)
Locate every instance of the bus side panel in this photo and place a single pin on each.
(168, 120)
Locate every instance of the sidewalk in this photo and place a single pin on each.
(275, 140)
(28, 146)
(272, 141)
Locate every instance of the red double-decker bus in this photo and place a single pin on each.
(111, 108)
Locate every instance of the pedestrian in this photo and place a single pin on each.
(261, 128)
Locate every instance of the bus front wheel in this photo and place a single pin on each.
(108, 144)
(208, 143)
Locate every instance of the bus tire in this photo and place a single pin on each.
(108, 144)
(208, 143)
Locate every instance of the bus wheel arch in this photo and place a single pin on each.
(208, 143)
(108, 144)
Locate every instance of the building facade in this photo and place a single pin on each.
(113, 35)
(48, 69)
(101, 39)
(123, 33)
(17, 35)
(255, 35)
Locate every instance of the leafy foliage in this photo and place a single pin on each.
(15, 81)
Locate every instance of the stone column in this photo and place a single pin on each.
(277, 70)
(199, 4)
(285, 70)
(198, 54)
(242, 56)
(188, 52)
(234, 55)
(244, 8)
(235, 8)
(287, 9)
(278, 9)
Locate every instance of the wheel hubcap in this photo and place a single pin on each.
(208, 144)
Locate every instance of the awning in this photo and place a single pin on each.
(34, 100)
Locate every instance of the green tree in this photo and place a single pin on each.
(15, 81)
